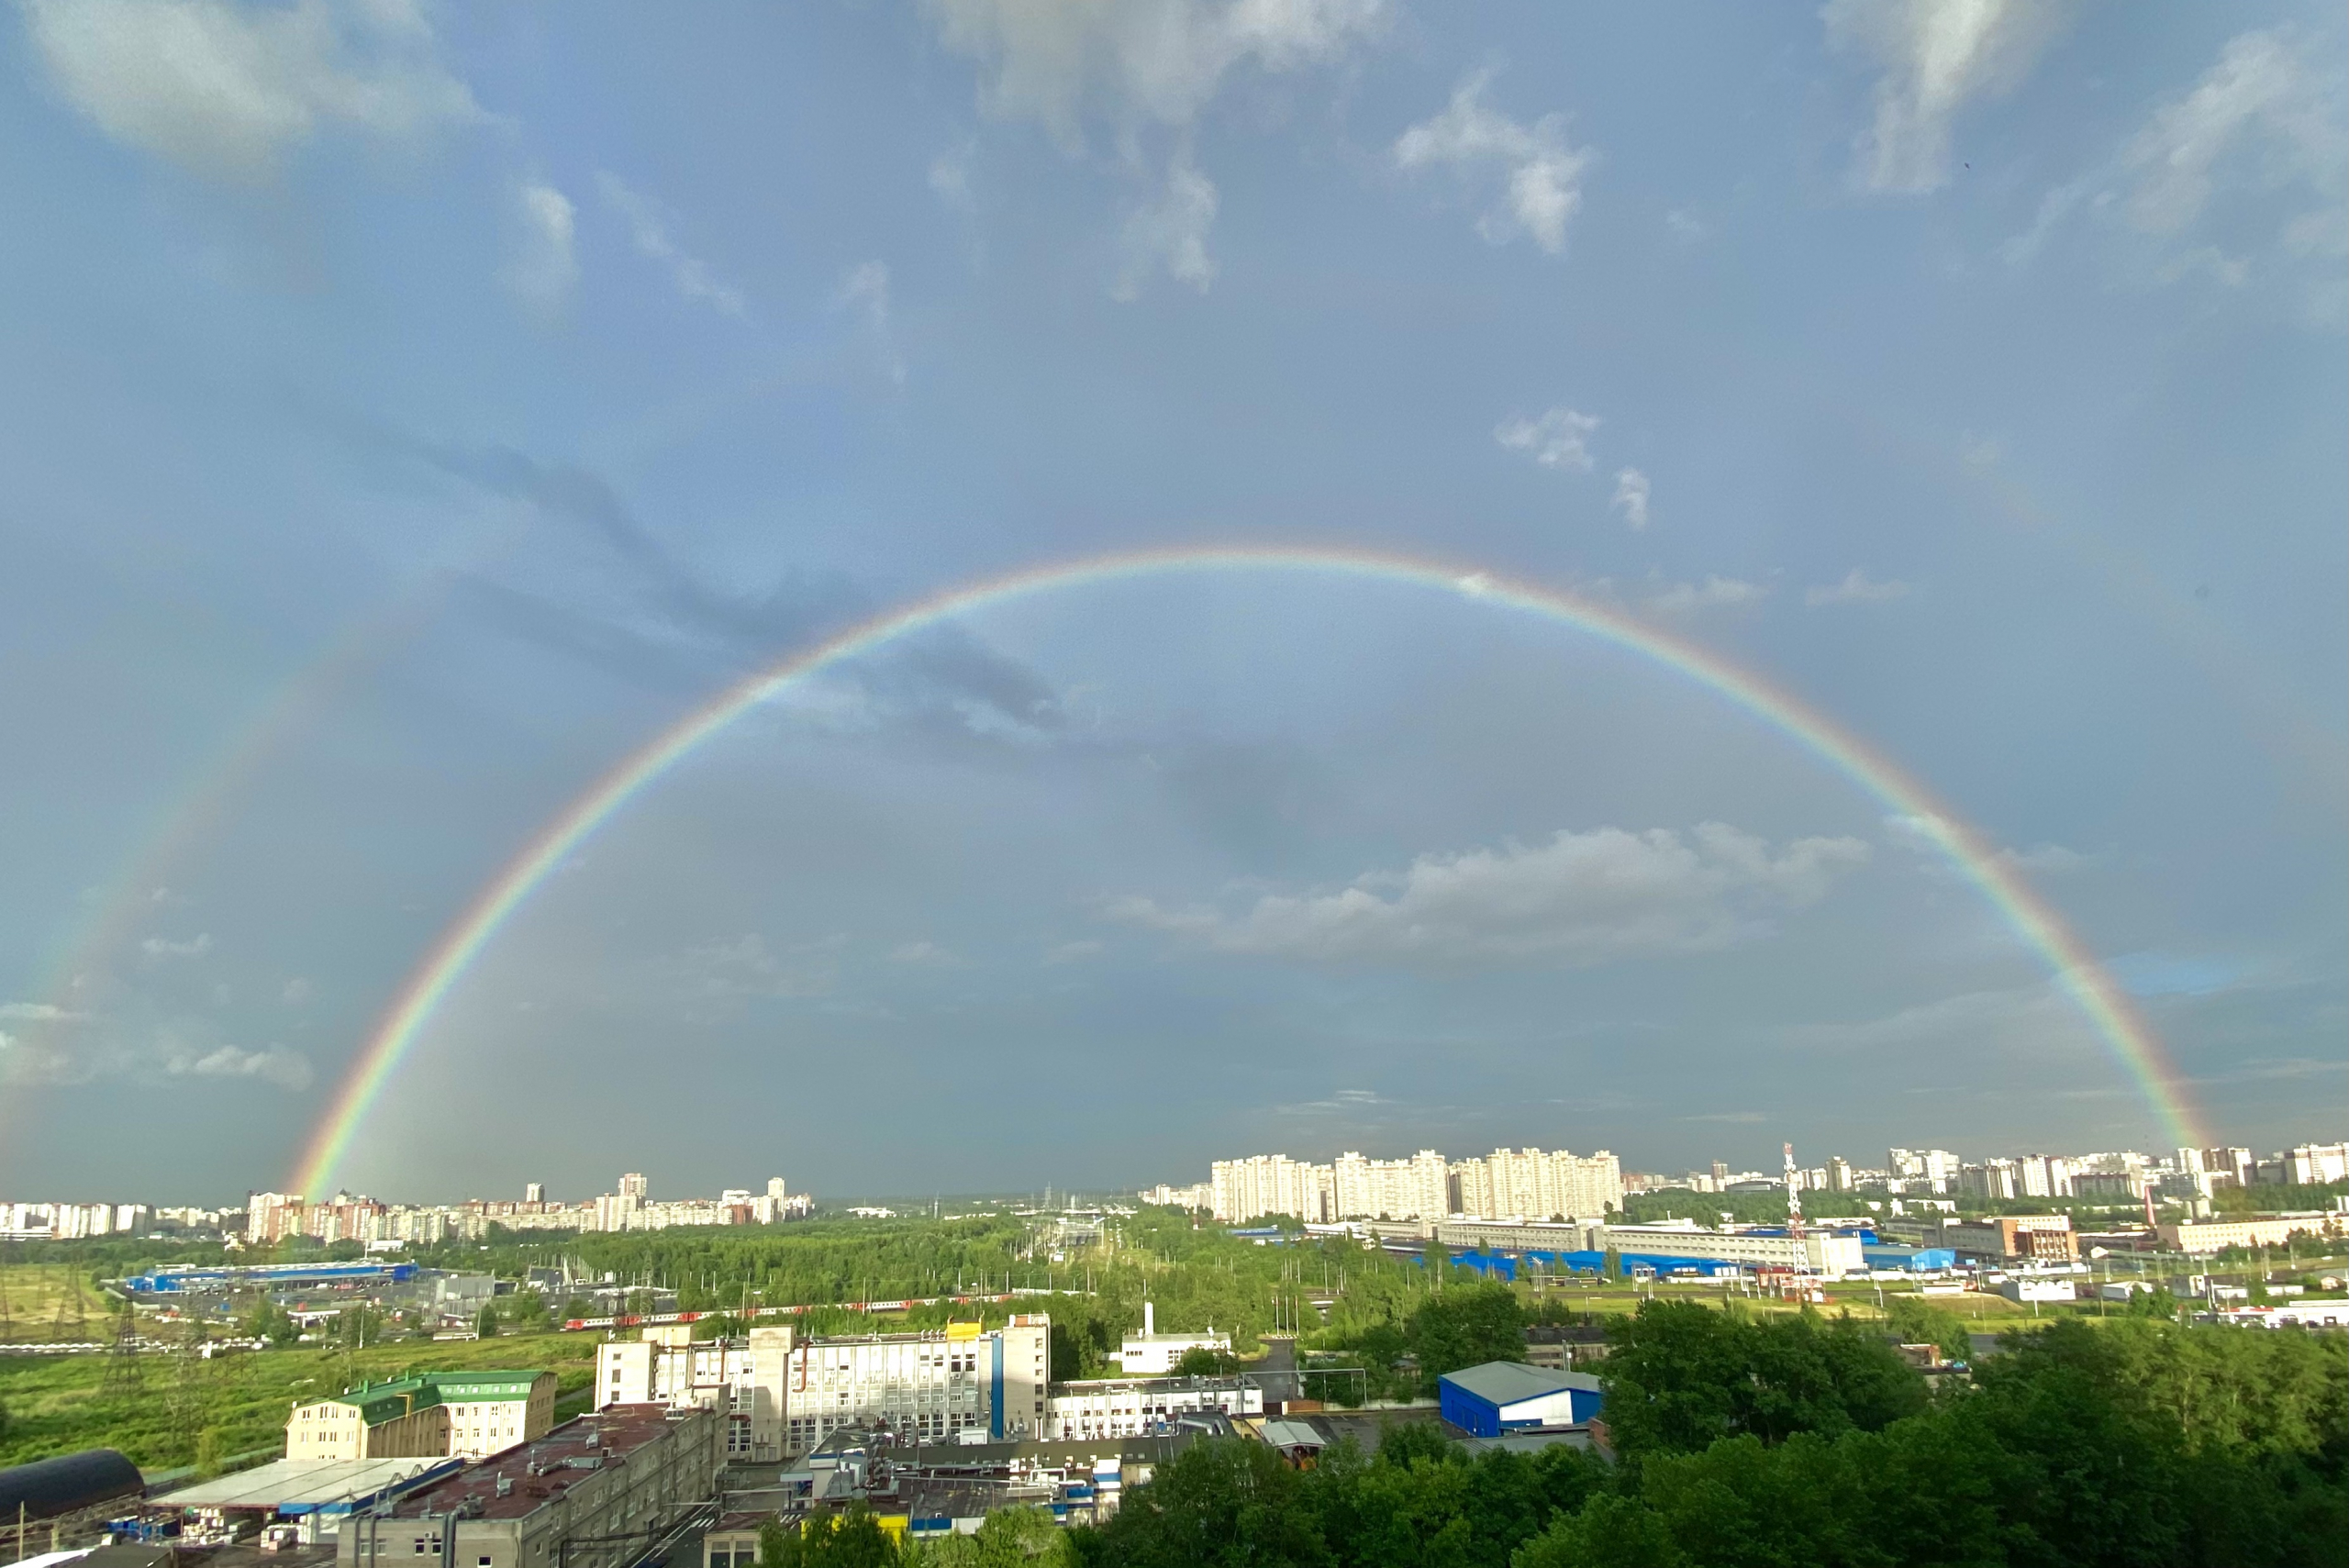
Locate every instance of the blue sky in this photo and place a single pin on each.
(410, 410)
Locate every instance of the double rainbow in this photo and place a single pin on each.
(2106, 1005)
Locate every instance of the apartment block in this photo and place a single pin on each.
(468, 1415)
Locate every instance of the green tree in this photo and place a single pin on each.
(1006, 1538)
(850, 1538)
(485, 1324)
(1913, 1320)
(1216, 1504)
(1199, 1360)
(1681, 1377)
(271, 1322)
(1610, 1531)
(1467, 1326)
(207, 1452)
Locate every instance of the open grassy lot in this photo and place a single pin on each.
(234, 1403)
(45, 1303)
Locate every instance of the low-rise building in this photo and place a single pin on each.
(1579, 1244)
(1499, 1397)
(465, 1414)
(2270, 1231)
(601, 1491)
(1153, 1354)
(1137, 1406)
(2013, 1238)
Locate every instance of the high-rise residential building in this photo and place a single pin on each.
(534, 1192)
(2314, 1164)
(634, 1184)
(1528, 1183)
(1272, 1183)
(1416, 1188)
(1937, 1168)
(1839, 1174)
(1991, 1179)
(273, 1217)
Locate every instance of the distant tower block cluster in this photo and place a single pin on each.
(1508, 1184)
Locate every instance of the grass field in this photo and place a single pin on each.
(234, 1403)
(47, 1304)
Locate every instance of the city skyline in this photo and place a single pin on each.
(961, 595)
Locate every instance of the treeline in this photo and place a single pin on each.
(1197, 1277)
(1800, 1441)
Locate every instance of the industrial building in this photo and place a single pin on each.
(1666, 1249)
(602, 1491)
(1141, 1406)
(316, 1497)
(1503, 1396)
(780, 1394)
(2014, 1237)
(468, 1415)
(2212, 1235)
(740, 1379)
(1153, 1354)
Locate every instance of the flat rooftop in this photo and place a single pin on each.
(541, 1473)
(300, 1485)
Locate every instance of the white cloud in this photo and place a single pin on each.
(1581, 899)
(1937, 56)
(1856, 588)
(224, 90)
(866, 289)
(546, 265)
(1715, 592)
(296, 991)
(164, 947)
(1687, 225)
(950, 175)
(34, 1012)
(1173, 230)
(285, 1069)
(649, 226)
(2240, 177)
(1159, 60)
(1556, 439)
(38, 1064)
(1543, 173)
(927, 955)
(1069, 952)
(747, 967)
(1133, 64)
(2259, 107)
(1631, 496)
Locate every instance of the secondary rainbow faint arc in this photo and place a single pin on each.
(2106, 1007)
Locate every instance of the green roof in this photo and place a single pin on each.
(459, 1387)
(381, 1401)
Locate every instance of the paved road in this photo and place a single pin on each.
(1276, 1374)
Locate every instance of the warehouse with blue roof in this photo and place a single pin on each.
(1508, 1396)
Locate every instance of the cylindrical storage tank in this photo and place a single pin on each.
(48, 1487)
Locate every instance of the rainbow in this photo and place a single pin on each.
(2106, 1005)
